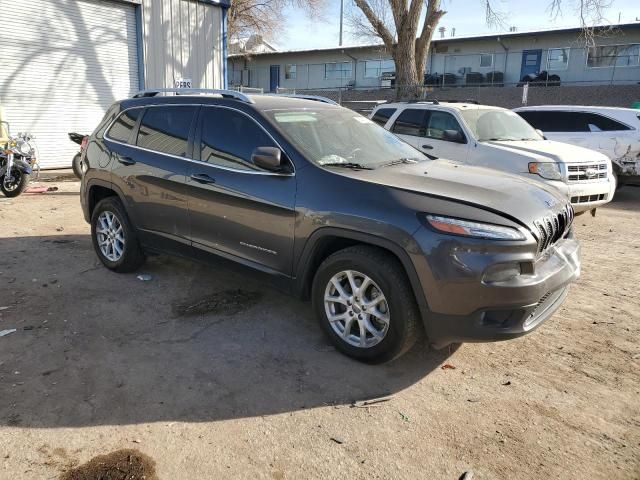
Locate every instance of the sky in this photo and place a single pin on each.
(466, 16)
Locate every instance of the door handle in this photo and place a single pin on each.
(427, 147)
(126, 160)
(203, 178)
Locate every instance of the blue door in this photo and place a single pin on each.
(530, 62)
(274, 78)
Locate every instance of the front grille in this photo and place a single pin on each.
(553, 227)
(589, 198)
(587, 172)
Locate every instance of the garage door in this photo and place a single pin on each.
(63, 63)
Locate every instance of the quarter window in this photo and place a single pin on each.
(558, 59)
(166, 129)
(382, 115)
(439, 122)
(229, 138)
(123, 126)
(410, 122)
(290, 72)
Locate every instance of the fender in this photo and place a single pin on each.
(98, 182)
(304, 272)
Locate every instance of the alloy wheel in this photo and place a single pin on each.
(357, 309)
(110, 236)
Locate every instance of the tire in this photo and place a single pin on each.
(387, 277)
(19, 186)
(121, 256)
(77, 169)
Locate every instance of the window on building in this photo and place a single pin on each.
(410, 122)
(382, 115)
(338, 70)
(614, 55)
(123, 126)
(290, 72)
(558, 59)
(486, 60)
(166, 129)
(375, 68)
(229, 138)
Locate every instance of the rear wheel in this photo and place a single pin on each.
(365, 304)
(16, 185)
(77, 170)
(114, 239)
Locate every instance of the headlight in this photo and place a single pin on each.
(24, 149)
(550, 171)
(473, 229)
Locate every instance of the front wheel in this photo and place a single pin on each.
(17, 185)
(364, 302)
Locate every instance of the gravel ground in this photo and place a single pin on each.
(212, 375)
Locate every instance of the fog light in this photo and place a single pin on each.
(501, 272)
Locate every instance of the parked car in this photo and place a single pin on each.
(613, 131)
(326, 204)
(498, 138)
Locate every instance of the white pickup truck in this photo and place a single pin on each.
(498, 138)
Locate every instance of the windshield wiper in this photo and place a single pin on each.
(398, 162)
(352, 165)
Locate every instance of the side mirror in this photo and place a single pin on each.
(539, 132)
(269, 158)
(453, 136)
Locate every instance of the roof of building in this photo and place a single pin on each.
(440, 41)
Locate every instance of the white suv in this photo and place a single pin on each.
(498, 138)
(612, 131)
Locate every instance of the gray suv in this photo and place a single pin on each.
(327, 205)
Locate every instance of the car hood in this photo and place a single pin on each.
(549, 150)
(510, 195)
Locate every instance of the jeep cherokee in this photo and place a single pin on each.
(328, 205)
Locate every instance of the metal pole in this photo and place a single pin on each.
(341, 19)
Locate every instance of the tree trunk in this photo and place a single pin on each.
(407, 82)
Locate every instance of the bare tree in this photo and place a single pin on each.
(265, 17)
(406, 28)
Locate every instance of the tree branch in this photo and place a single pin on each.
(377, 24)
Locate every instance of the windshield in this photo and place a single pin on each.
(490, 124)
(337, 136)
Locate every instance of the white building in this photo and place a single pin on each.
(492, 59)
(64, 62)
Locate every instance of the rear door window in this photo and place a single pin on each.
(383, 115)
(410, 122)
(228, 138)
(166, 129)
(121, 129)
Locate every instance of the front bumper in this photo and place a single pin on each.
(585, 196)
(466, 308)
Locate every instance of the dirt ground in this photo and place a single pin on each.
(213, 375)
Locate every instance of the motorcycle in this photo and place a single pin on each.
(82, 141)
(17, 162)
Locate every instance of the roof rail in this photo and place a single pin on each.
(475, 102)
(433, 102)
(315, 98)
(223, 93)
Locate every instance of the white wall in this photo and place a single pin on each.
(182, 39)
